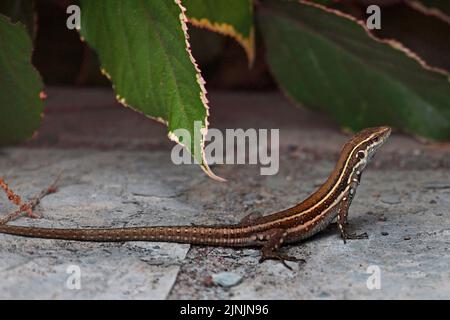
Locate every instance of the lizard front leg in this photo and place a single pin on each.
(271, 249)
(342, 217)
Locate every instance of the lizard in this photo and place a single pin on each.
(329, 202)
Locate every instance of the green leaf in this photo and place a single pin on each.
(20, 10)
(233, 18)
(328, 61)
(20, 85)
(144, 51)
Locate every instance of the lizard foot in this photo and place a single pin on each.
(350, 236)
(354, 236)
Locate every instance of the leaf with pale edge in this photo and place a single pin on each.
(233, 18)
(328, 61)
(437, 8)
(144, 50)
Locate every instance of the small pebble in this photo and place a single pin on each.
(433, 201)
(226, 279)
(382, 218)
(407, 238)
(384, 233)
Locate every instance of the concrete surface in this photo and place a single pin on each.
(117, 172)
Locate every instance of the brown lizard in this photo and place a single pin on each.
(270, 232)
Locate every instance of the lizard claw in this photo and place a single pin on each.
(354, 236)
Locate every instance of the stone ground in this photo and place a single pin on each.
(116, 171)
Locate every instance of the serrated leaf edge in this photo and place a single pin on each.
(201, 82)
(391, 42)
(228, 30)
(429, 11)
(124, 103)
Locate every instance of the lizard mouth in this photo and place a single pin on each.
(384, 135)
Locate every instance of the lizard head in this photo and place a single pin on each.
(365, 143)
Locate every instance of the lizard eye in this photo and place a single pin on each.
(361, 154)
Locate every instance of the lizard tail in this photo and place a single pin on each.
(203, 235)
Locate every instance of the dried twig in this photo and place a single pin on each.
(14, 198)
(30, 205)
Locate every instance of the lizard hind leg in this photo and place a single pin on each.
(271, 249)
(251, 217)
